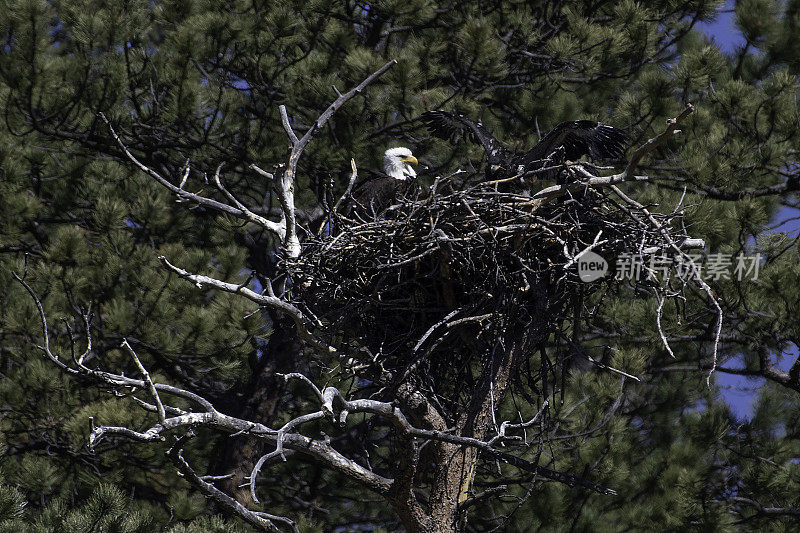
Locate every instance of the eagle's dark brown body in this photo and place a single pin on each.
(377, 192)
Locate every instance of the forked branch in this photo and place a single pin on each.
(268, 300)
(286, 177)
(286, 228)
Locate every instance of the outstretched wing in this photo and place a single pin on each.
(453, 127)
(579, 138)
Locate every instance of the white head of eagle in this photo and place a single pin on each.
(397, 163)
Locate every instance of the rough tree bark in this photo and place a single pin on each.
(456, 464)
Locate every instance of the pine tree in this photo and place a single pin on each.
(189, 86)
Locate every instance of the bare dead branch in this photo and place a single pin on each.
(697, 279)
(261, 171)
(349, 190)
(46, 348)
(658, 140)
(272, 302)
(150, 385)
(286, 229)
(260, 520)
(767, 511)
(287, 178)
(304, 379)
(339, 102)
(244, 214)
(186, 172)
(286, 126)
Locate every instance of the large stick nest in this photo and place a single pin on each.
(435, 284)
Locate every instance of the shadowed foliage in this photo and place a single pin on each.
(188, 86)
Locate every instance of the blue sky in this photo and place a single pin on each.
(723, 29)
(740, 393)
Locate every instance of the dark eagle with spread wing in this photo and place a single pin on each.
(377, 191)
(568, 141)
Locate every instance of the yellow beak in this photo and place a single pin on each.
(410, 159)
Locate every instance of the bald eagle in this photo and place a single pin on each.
(567, 141)
(377, 191)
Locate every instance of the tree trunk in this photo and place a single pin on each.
(455, 464)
